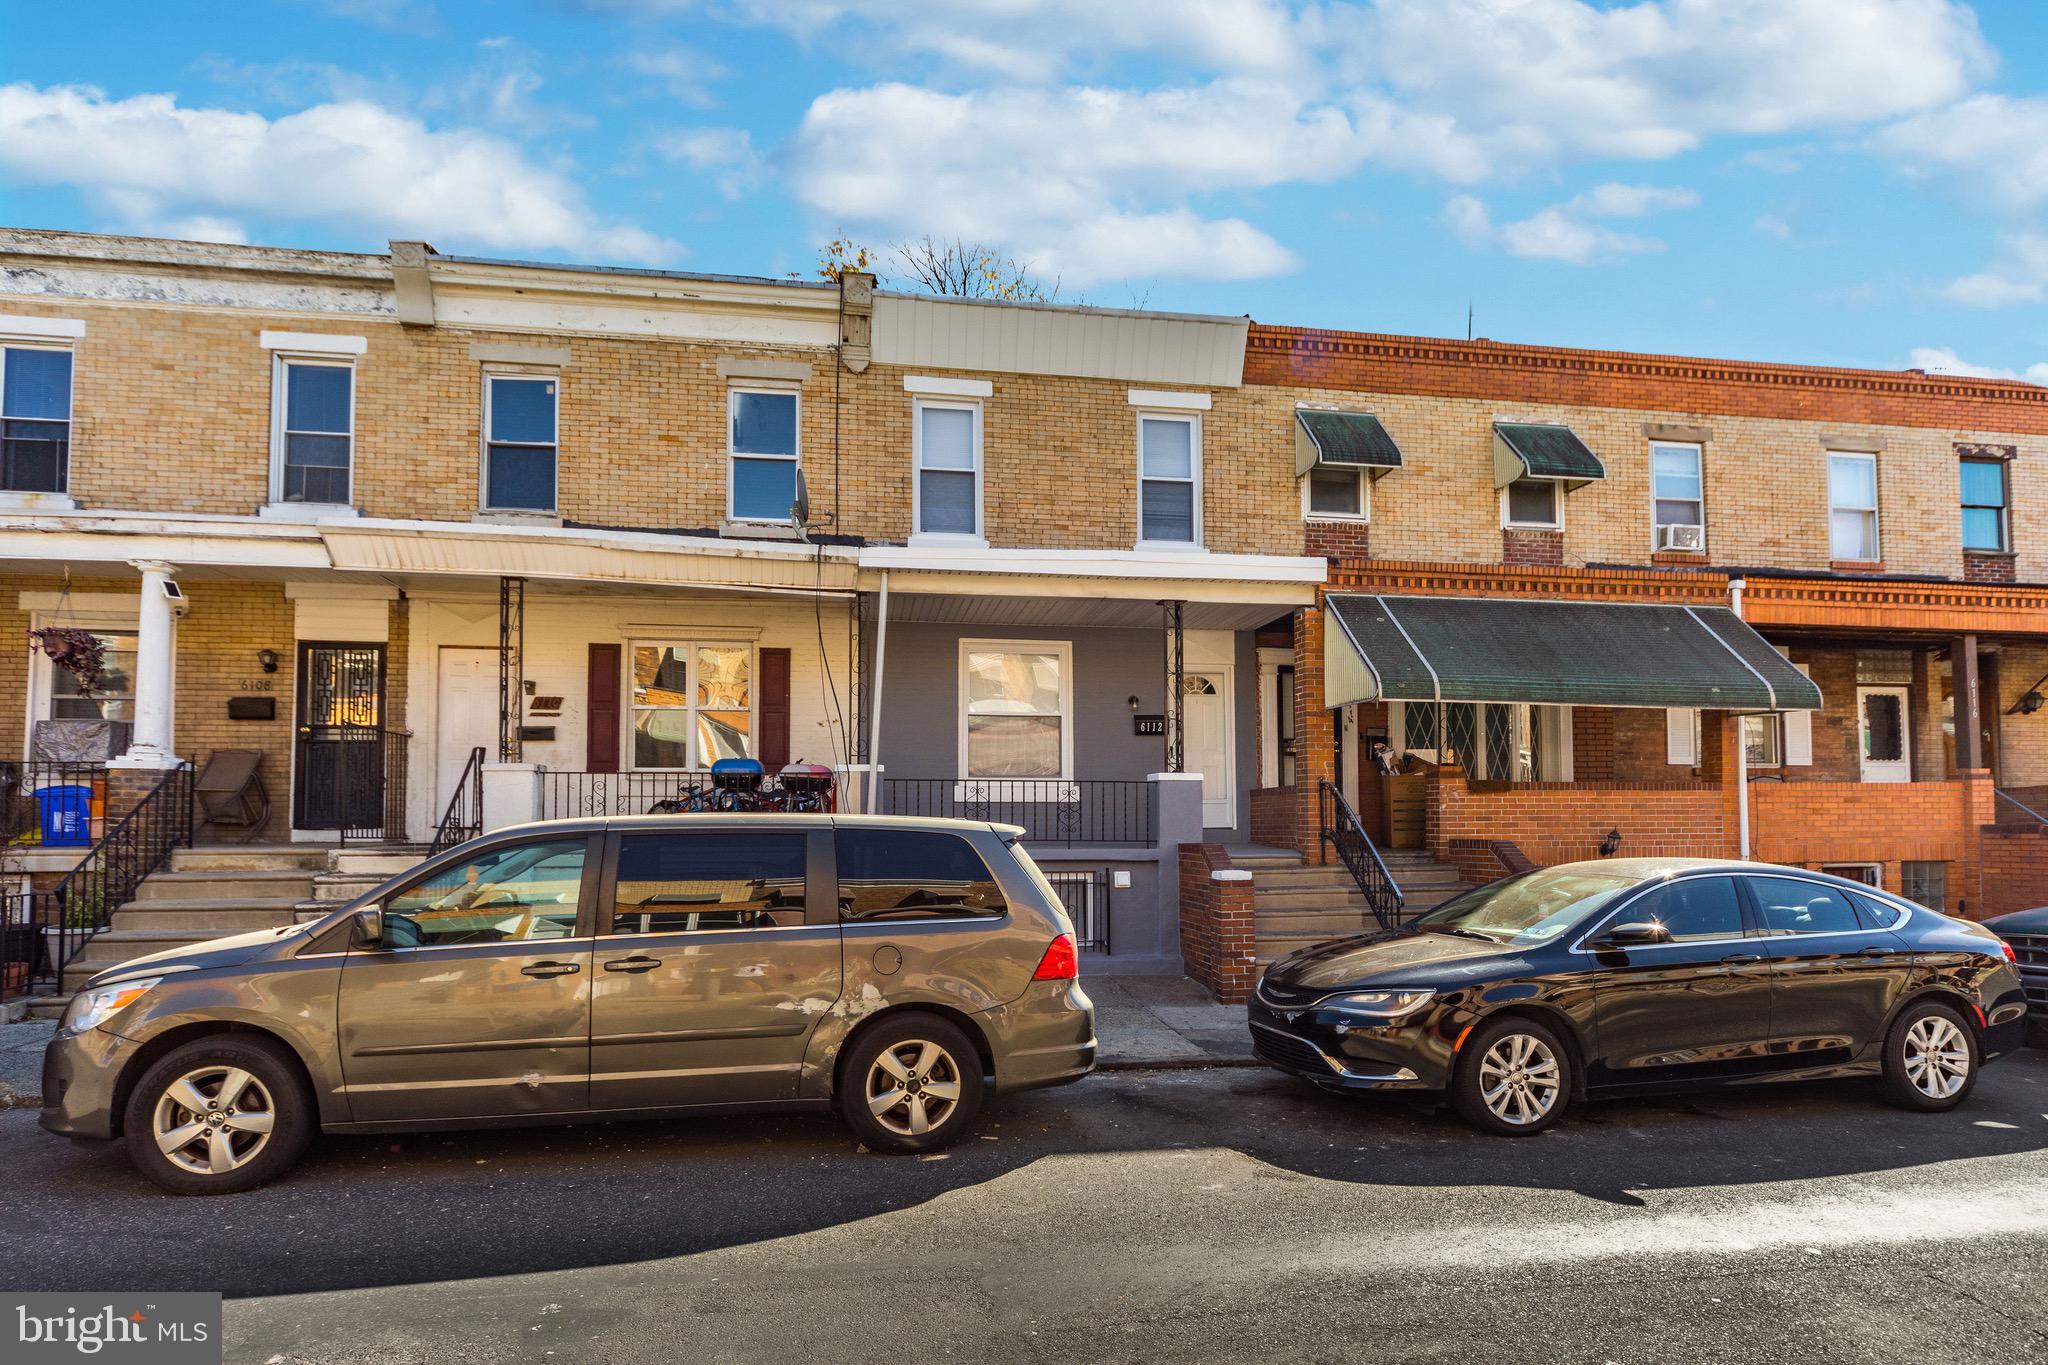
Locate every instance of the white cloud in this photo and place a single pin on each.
(1771, 225)
(1942, 360)
(725, 155)
(1992, 147)
(1565, 232)
(146, 160)
(685, 73)
(2018, 275)
(1069, 180)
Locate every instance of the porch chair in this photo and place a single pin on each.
(231, 792)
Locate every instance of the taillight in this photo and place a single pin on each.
(2010, 955)
(1060, 963)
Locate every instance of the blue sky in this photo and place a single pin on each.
(1859, 182)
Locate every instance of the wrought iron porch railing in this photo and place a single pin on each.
(21, 815)
(1344, 833)
(46, 930)
(2020, 806)
(463, 820)
(580, 795)
(1052, 810)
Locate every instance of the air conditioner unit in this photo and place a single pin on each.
(1693, 538)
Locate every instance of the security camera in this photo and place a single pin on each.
(180, 604)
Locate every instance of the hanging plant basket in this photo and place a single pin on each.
(80, 653)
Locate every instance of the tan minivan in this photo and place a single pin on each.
(600, 969)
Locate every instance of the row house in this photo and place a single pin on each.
(451, 542)
(1582, 602)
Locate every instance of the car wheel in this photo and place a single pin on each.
(219, 1115)
(1930, 1059)
(911, 1084)
(1514, 1078)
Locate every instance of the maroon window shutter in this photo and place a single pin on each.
(774, 693)
(601, 725)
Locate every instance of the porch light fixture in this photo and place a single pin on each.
(1610, 843)
(267, 659)
(1133, 700)
(2030, 700)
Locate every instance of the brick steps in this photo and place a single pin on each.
(1297, 905)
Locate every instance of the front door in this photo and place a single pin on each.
(1881, 721)
(1206, 713)
(477, 1004)
(465, 716)
(1833, 980)
(338, 780)
(1696, 1007)
(714, 963)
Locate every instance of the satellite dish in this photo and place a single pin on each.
(800, 510)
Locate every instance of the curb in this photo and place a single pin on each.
(1178, 1063)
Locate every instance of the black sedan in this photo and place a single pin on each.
(2026, 933)
(1642, 974)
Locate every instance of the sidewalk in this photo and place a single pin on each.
(1164, 1021)
(21, 1061)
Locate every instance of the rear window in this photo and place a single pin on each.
(913, 874)
(1875, 913)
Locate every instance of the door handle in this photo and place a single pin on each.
(1874, 951)
(551, 969)
(635, 963)
(1739, 958)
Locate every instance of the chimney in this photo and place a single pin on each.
(856, 319)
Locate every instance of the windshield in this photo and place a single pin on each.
(1533, 907)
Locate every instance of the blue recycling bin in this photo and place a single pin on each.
(67, 816)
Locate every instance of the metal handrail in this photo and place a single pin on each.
(105, 879)
(1344, 832)
(453, 829)
(2015, 802)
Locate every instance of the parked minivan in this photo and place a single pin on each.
(898, 968)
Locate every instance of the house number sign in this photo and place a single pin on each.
(1148, 725)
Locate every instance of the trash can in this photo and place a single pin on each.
(67, 816)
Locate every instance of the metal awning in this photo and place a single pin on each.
(1378, 648)
(1542, 450)
(1354, 439)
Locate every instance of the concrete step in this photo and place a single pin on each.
(1265, 862)
(332, 890)
(49, 1006)
(226, 884)
(1321, 923)
(117, 945)
(251, 858)
(207, 920)
(200, 907)
(1305, 898)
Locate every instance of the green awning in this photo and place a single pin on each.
(1555, 653)
(1355, 439)
(1538, 450)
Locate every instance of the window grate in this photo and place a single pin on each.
(1085, 897)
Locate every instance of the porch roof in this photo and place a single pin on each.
(1561, 653)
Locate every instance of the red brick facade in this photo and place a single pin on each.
(1538, 548)
(2015, 870)
(1338, 539)
(1219, 935)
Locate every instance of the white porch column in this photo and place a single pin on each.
(153, 742)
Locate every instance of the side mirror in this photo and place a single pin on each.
(1635, 934)
(369, 927)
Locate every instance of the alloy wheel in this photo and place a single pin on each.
(213, 1120)
(913, 1087)
(1519, 1079)
(1937, 1056)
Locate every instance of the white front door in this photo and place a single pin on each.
(465, 716)
(1207, 711)
(1881, 725)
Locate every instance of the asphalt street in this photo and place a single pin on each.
(1172, 1216)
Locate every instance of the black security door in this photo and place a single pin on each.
(340, 768)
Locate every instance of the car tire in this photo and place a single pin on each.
(239, 1103)
(928, 1067)
(1927, 1044)
(1513, 1078)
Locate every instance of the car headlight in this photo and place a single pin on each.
(1385, 1006)
(90, 1009)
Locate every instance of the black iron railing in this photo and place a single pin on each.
(574, 795)
(369, 773)
(1343, 832)
(1052, 810)
(1085, 896)
(464, 818)
(46, 930)
(26, 788)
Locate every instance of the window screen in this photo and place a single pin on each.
(913, 874)
(680, 883)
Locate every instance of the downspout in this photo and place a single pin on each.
(1736, 587)
(875, 699)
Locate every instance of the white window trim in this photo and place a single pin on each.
(484, 442)
(280, 362)
(1699, 456)
(14, 327)
(2004, 546)
(314, 343)
(944, 386)
(1065, 650)
(1556, 501)
(1364, 512)
(61, 500)
(121, 620)
(796, 460)
(1877, 498)
(1194, 424)
(1169, 399)
(918, 535)
(1523, 718)
(692, 644)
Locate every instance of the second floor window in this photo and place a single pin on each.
(1852, 506)
(35, 419)
(1169, 480)
(315, 430)
(763, 455)
(1676, 489)
(1984, 505)
(519, 442)
(948, 441)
